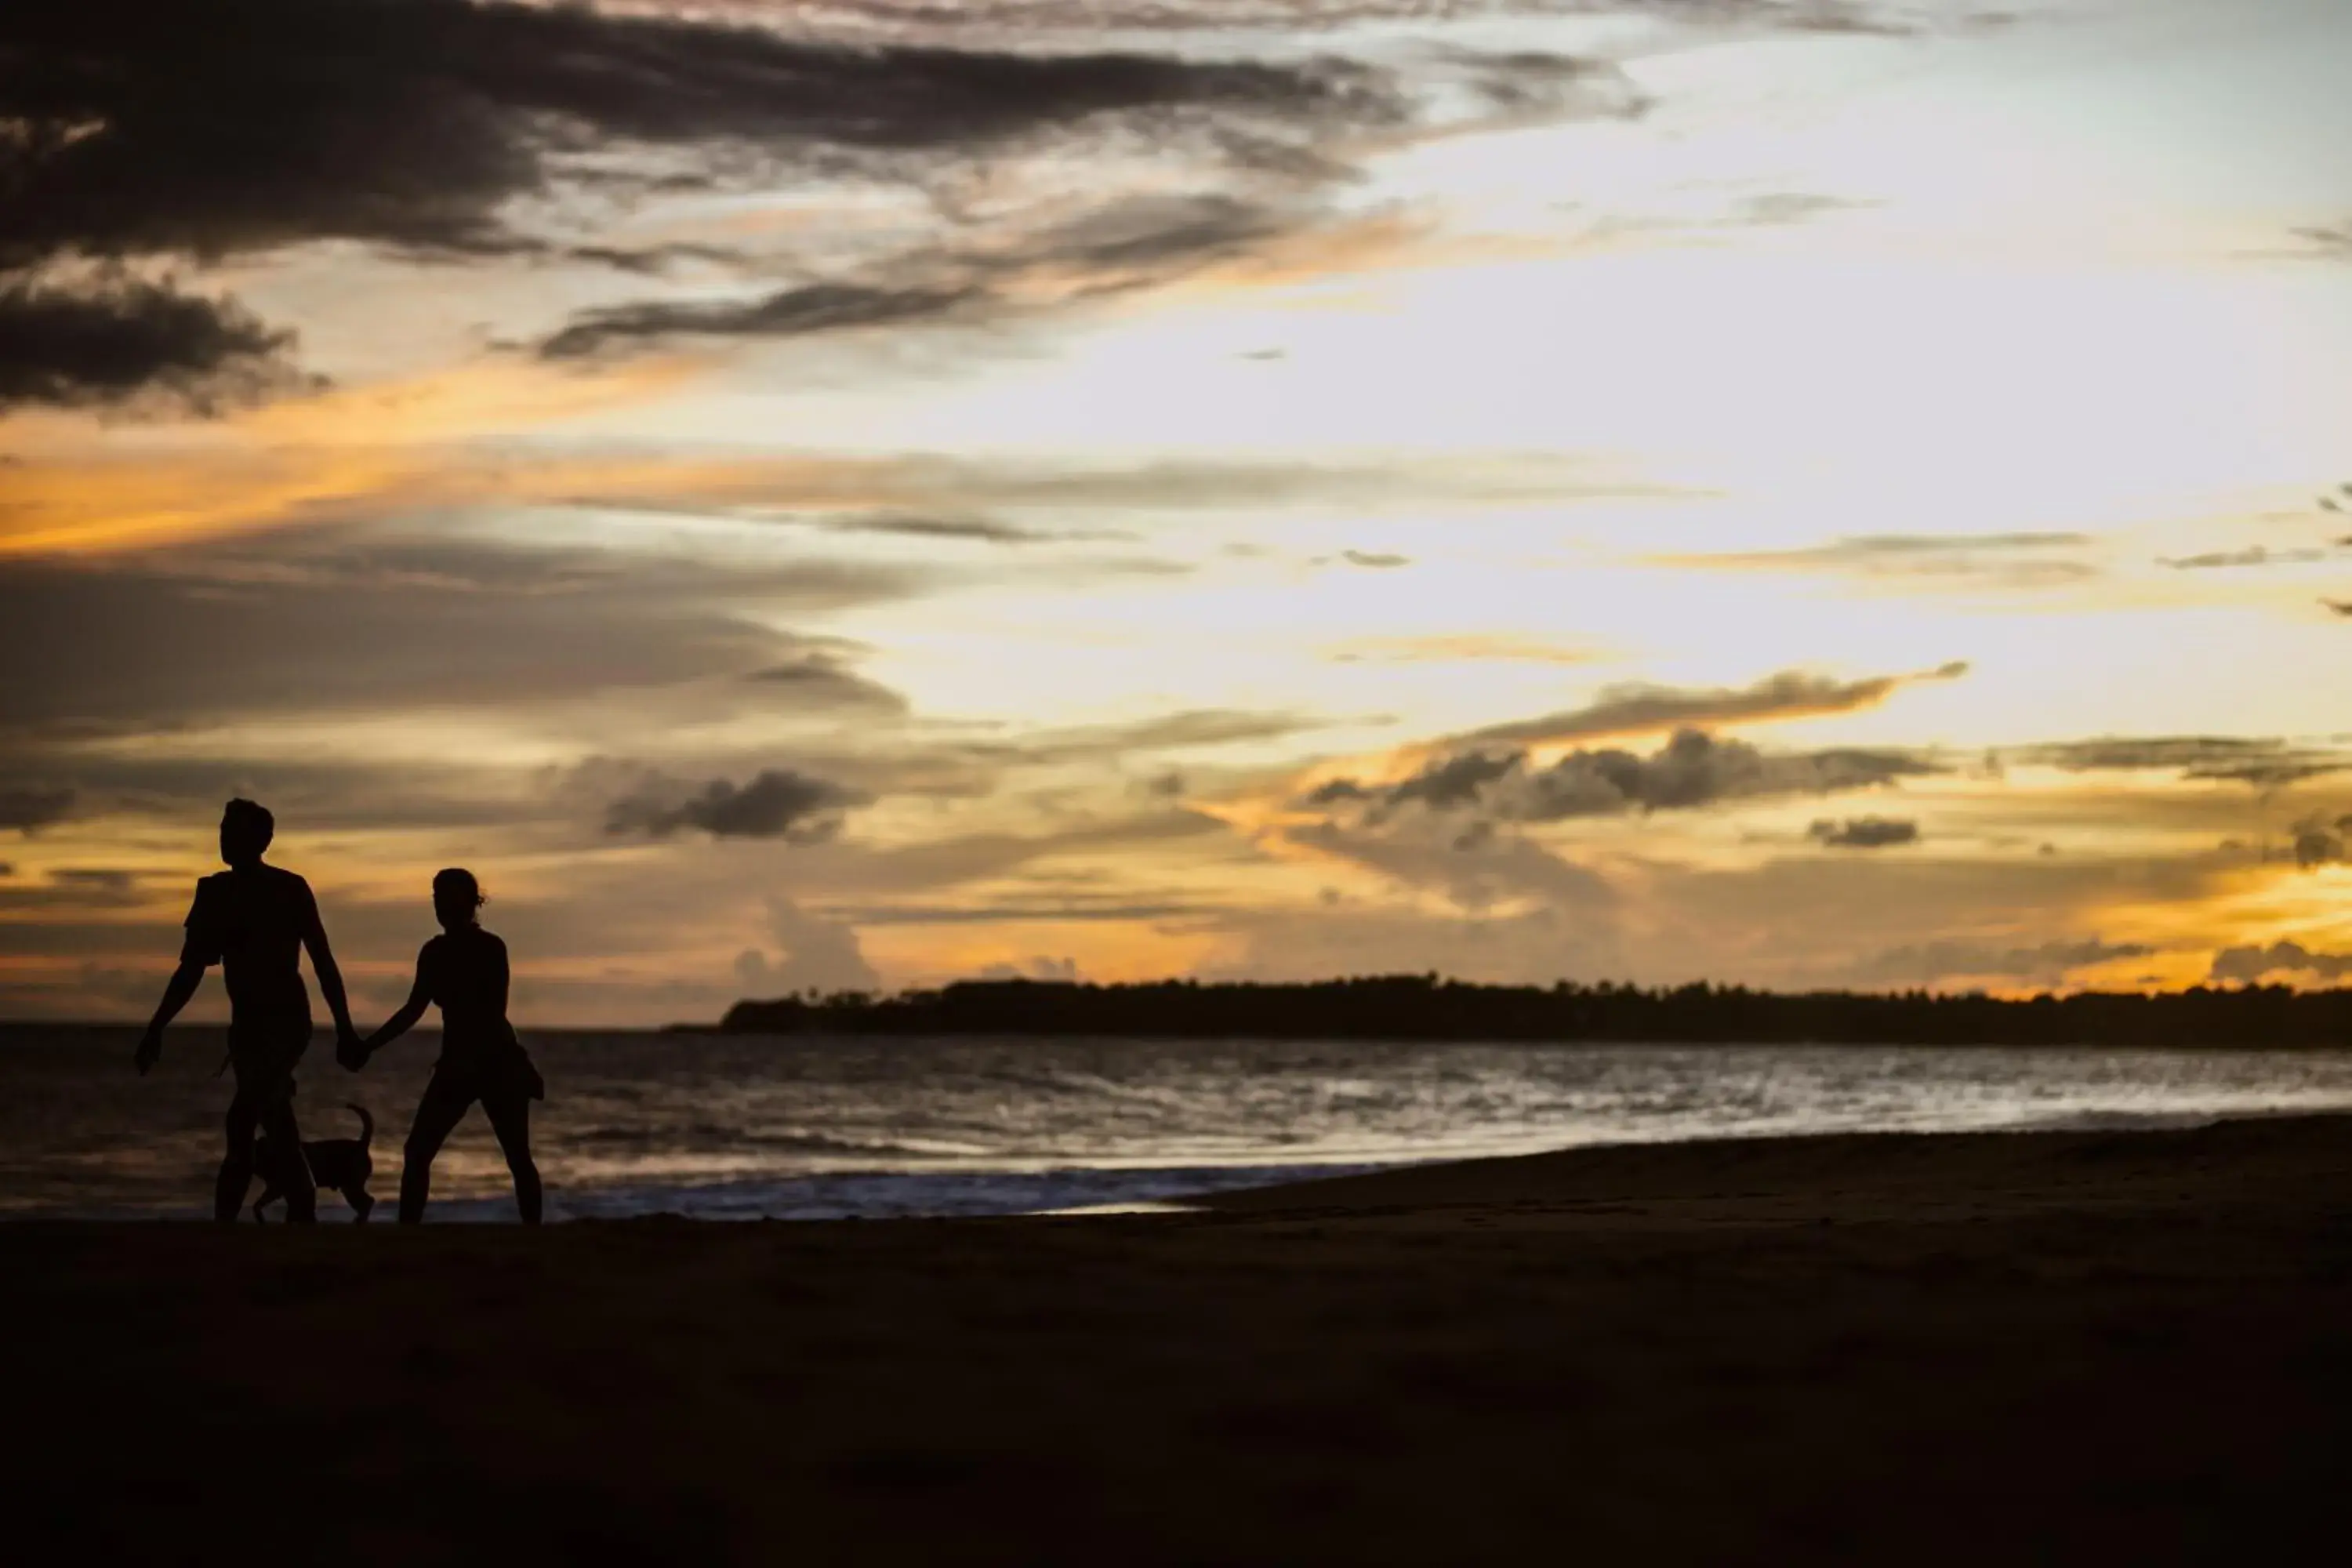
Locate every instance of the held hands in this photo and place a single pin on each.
(350, 1051)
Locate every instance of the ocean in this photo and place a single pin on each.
(740, 1126)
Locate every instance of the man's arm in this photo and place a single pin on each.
(198, 952)
(322, 964)
(177, 993)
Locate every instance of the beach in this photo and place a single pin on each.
(2075, 1346)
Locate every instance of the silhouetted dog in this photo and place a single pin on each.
(340, 1164)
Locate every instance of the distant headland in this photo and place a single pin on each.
(1427, 1007)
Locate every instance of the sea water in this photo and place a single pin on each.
(811, 1127)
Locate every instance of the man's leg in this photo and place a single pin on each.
(510, 1115)
(437, 1115)
(236, 1158)
(293, 1173)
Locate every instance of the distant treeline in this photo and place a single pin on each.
(1425, 1008)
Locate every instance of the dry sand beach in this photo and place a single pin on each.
(2050, 1347)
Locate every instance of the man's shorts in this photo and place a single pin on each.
(264, 1051)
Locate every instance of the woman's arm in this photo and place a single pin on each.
(420, 996)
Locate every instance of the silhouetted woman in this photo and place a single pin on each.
(463, 971)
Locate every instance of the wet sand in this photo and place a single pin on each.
(2058, 1347)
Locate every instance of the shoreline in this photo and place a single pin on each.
(1687, 1166)
(1046, 1189)
(211, 1032)
(2059, 1346)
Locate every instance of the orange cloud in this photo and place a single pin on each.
(306, 460)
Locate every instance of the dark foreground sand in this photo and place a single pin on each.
(2128, 1348)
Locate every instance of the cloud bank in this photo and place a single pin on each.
(1691, 771)
(1633, 709)
(1863, 833)
(777, 803)
(2253, 966)
(121, 338)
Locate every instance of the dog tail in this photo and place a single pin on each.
(367, 1122)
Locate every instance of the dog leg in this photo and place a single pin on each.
(362, 1204)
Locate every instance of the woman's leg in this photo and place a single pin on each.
(437, 1115)
(509, 1117)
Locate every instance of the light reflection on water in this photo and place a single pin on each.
(798, 1127)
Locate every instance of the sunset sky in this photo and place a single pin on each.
(1792, 491)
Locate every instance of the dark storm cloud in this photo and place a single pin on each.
(117, 338)
(1864, 832)
(144, 126)
(342, 624)
(29, 810)
(777, 803)
(2251, 965)
(1693, 769)
(1630, 709)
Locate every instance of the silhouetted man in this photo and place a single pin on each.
(254, 921)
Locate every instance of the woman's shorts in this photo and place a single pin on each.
(501, 1073)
